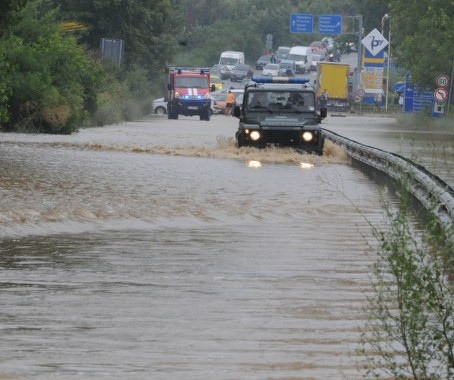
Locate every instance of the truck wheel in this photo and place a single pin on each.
(240, 139)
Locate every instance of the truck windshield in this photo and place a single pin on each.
(191, 82)
(280, 101)
(228, 61)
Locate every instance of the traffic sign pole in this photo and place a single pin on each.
(389, 59)
(450, 86)
(360, 47)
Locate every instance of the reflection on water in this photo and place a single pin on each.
(132, 260)
(306, 165)
(254, 164)
(428, 146)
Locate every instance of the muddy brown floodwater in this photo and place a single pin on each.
(158, 250)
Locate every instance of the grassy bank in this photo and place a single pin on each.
(409, 333)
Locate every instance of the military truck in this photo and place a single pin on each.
(280, 111)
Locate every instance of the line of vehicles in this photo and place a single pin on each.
(276, 108)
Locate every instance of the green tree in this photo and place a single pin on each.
(372, 12)
(8, 9)
(50, 82)
(148, 27)
(423, 37)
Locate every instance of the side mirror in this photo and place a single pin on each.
(323, 112)
(166, 99)
(169, 86)
(213, 88)
(237, 111)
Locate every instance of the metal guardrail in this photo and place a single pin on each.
(431, 191)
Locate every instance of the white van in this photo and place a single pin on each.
(302, 55)
(231, 58)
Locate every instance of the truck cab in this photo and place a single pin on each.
(188, 92)
(280, 112)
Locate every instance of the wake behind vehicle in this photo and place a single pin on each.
(281, 112)
(188, 92)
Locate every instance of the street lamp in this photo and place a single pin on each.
(384, 18)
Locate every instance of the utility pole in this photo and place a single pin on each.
(386, 17)
(450, 86)
(360, 50)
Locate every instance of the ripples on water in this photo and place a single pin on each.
(153, 261)
(67, 184)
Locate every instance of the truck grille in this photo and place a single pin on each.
(282, 137)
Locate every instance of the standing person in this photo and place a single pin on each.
(273, 59)
(324, 99)
(229, 103)
(378, 102)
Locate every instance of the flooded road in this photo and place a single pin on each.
(158, 250)
(432, 147)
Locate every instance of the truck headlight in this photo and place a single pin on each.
(308, 136)
(255, 135)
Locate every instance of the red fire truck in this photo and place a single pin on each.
(188, 92)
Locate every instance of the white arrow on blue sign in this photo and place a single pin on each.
(330, 24)
(301, 23)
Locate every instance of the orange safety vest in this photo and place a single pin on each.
(230, 98)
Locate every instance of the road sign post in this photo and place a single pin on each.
(330, 24)
(441, 95)
(301, 23)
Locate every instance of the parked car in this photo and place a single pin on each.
(241, 72)
(239, 100)
(216, 81)
(159, 106)
(287, 67)
(215, 108)
(271, 69)
(216, 70)
(316, 58)
(263, 61)
(318, 47)
(220, 98)
(282, 53)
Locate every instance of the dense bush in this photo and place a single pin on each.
(126, 94)
(50, 83)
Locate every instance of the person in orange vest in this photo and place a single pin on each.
(229, 103)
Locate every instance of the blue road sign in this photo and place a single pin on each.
(301, 23)
(415, 100)
(330, 24)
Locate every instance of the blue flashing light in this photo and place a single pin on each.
(198, 97)
(280, 80)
